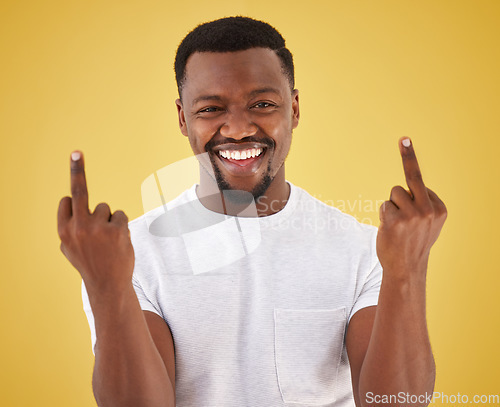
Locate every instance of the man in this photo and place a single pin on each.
(303, 317)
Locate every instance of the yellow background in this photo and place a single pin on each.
(98, 76)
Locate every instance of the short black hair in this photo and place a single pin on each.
(232, 34)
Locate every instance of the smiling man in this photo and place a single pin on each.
(238, 103)
(323, 311)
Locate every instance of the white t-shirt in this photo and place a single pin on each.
(258, 307)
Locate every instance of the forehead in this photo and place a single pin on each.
(233, 72)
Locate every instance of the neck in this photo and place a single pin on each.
(242, 203)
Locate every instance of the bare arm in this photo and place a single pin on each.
(389, 352)
(388, 345)
(129, 369)
(134, 353)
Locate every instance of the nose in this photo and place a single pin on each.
(238, 125)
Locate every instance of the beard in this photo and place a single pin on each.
(257, 191)
(261, 187)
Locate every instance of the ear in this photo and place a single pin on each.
(182, 118)
(295, 108)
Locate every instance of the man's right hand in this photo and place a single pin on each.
(135, 359)
(97, 244)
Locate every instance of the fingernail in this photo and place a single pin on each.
(406, 142)
(75, 156)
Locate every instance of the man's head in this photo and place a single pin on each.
(237, 102)
(232, 34)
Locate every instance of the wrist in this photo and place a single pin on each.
(406, 286)
(110, 298)
(405, 272)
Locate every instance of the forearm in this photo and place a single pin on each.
(399, 358)
(129, 370)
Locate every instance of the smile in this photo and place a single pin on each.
(241, 154)
(241, 160)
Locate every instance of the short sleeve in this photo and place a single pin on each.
(145, 304)
(369, 293)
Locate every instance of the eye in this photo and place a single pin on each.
(263, 105)
(210, 109)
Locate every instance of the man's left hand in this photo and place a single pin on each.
(410, 221)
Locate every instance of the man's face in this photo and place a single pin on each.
(238, 107)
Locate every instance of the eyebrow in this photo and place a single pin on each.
(253, 93)
(264, 90)
(207, 97)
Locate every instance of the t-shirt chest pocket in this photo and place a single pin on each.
(308, 348)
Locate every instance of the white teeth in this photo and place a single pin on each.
(240, 155)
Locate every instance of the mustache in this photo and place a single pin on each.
(216, 141)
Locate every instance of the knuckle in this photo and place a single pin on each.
(427, 213)
(116, 233)
(77, 169)
(98, 227)
(64, 200)
(442, 211)
(411, 211)
(415, 174)
(399, 224)
(395, 190)
(92, 229)
(383, 207)
(102, 207)
(76, 191)
(81, 232)
(423, 216)
(414, 217)
(442, 206)
(121, 214)
(121, 233)
(387, 205)
(110, 230)
(400, 193)
(62, 232)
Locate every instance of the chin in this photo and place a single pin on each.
(261, 188)
(257, 190)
